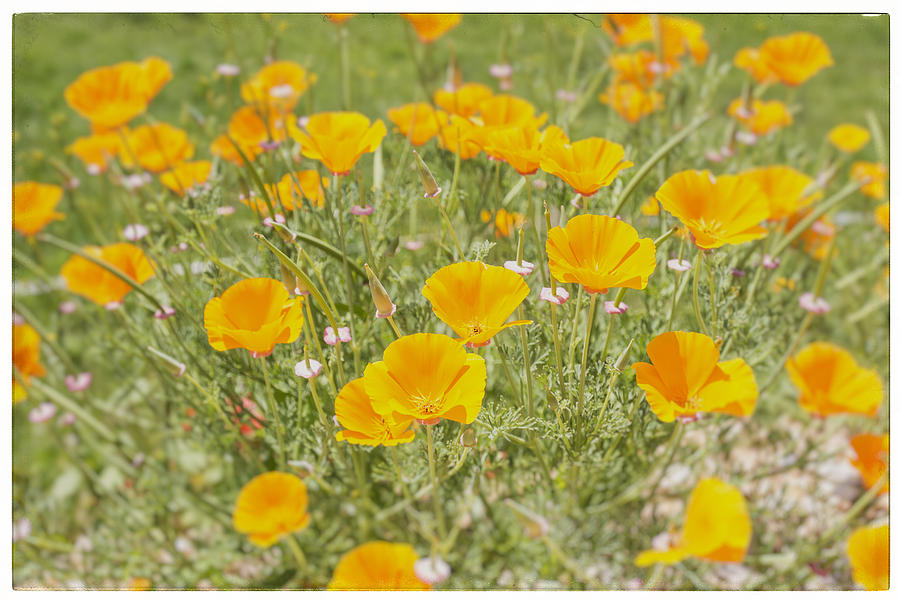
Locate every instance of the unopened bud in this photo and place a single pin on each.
(468, 438)
(173, 366)
(432, 190)
(535, 525)
(288, 279)
(383, 305)
(622, 361)
(303, 468)
(286, 234)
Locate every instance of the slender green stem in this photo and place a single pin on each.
(579, 408)
(297, 552)
(556, 350)
(712, 298)
(347, 277)
(449, 223)
(526, 365)
(435, 488)
(394, 327)
(820, 209)
(619, 297)
(697, 313)
(273, 408)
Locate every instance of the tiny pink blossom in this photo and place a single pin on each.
(72, 183)
(575, 202)
(302, 121)
(93, 169)
(42, 412)
(657, 68)
(678, 265)
(501, 71)
(79, 382)
(612, 309)
(307, 369)
(413, 245)
(18, 319)
(566, 96)
(225, 210)
(738, 273)
(68, 307)
(770, 262)
(134, 232)
(431, 570)
(726, 151)
(743, 112)
(362, 211)
(269, 145)
(713, 156)
(817, 306)
(525, 268)
(539, 184)
(164, 313)
(227, 70)
(281, 91)
(68, 419)
(279, 218)
(112, 305)
(255, 354)
(562, 295)
(506, 84)
(822, 228)
(343, 335)
(748, 138)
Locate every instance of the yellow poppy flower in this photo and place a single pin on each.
(717, 527)
(752, 61)
(785, 188)
(377, 566)
(416, 121)
(362, 424)
(638, 68)
(156, 148)
(140, 584)
(875, 173)
(600, 252)
(796, 57)
(505, 110)
(521, 146)
(186, 175)
(677, 35)
(110, 97)
(848, 137)
(96, 150)
(255, 314)
(727, 209)
(338, 139)
(427, 376)
(459, 135)
(99, 285)
(650, 207)
(632, 102)
(475, 299)
(505, 222)
(464, 100)
(685, 377)
(587, 165)
(311, 186)
(225, 149)
(847, 389)
(277, 86)
(270, 506)
(761, 117)
(871, 458)
(26, 354)
(34, 206)
(883, 216)
(868, 549)
(432, 26)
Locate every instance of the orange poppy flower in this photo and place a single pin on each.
(459, 135)
(377, 566)
(632, 102)
(99, 285)
(186, 176)
(521, 146)
(685, 377)
(475, 299)
(34, 206)
(871, 458)
(431, 26)
(363, 425)
(311, 186)
(249, 131)
(761, 117)
(278, 86)
(505, 110)
(848, 137)
(155, 148)
(96, 150)
(817, 237)
(883, 216)
(26, 354)
(416, 121)
(464, 100)
(110, 97)
(224, 149)
(650, 207)
(785, 188)
(831, 383)
(752, 61)
(639, 68)
(727, 209)
(338, 139)
(796, 57)
(868, 549)
(717, 527)
(505, 222)
(600, 252)
(339, 18)
(255, 314)
(587, 165)
(875, 173)
(677, 35)
(427, 376)
(270, 506)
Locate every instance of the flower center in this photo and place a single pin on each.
(711, 228)
(428, 405)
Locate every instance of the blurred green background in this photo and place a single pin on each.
(51, 50)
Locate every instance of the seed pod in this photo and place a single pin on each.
(432, 190)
